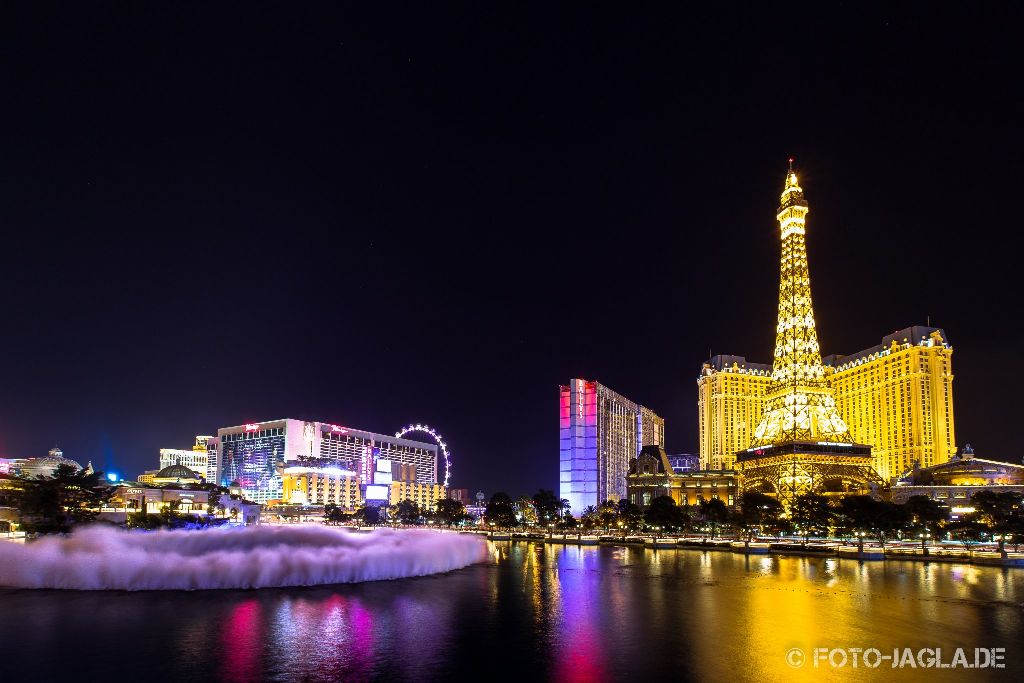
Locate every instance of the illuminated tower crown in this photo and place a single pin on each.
(799, 405)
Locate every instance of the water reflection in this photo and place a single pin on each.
(242, 642)
(577, 650)
(532, 612)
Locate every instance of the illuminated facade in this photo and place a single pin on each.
(898, 397)
(424, 495)
(257, 455)
(305, 486)
(132, 497)
(309, 484)
(11, 465)
(653, 473)
(952, 483)
(177, 474)
(177, 456)
(600, 431)
(208, 445)
(45, 466)
(202, 457)
(10, 496)
(801, 443)
(730, 403)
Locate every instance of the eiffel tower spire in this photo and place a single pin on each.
(799, 405)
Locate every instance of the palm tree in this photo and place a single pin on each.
(1000, 512)
(713, 512)
(811, 512)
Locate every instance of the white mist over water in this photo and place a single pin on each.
(101, 558)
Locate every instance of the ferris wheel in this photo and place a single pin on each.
(427, 429)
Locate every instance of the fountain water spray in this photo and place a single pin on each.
(99, 558)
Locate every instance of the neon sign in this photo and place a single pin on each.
(252, 428)
(340, 430)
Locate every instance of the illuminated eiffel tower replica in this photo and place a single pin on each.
(801, 444)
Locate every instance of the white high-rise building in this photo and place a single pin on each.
(202, 458)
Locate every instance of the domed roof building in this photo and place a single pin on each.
(176, 474)
(46, 465)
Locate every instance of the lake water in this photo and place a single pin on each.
(533, 613)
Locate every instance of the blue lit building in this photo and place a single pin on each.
(600, 432)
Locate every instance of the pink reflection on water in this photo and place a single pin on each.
(361, 627)
(242, 642)
(580, 655)
(342, 632)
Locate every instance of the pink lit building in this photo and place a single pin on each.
(600, 431)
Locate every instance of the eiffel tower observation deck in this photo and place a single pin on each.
(801, 443)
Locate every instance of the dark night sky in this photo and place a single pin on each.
(218, 214)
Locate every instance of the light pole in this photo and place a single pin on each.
(924, 539)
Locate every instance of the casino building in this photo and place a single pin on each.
(730, 403)
(330, 457)
(954, 482)
(896, 396)
(202, 457)
(600, 432)
(654, 473)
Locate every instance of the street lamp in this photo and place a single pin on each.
(924, 538)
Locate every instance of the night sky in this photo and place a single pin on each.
(219, 214)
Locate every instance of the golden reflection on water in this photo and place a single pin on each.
(742, 614)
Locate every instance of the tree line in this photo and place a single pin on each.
(996, 517)
(444, 512)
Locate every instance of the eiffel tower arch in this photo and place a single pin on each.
(796, 468)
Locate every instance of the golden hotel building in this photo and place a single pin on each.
(896, 397)
(320, 486)
(730, 402)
